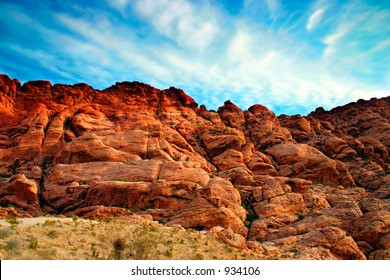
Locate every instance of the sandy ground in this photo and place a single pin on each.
(34, 221)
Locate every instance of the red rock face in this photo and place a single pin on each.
(314, 187)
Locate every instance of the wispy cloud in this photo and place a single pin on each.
(314, 19)
(358, 44)
(274, 7)
(186, 23)
(211, 54)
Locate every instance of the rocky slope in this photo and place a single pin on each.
(314, 187)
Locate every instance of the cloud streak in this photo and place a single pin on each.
(292, 63)
(314, 19)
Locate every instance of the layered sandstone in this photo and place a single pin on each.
(314, 187)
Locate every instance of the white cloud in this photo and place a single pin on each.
(119, 42)
(255, 65)
(190, 25)
(357, 46)
(314, 19)
(191, 46)
(238, 48)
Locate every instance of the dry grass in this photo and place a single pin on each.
(85, 240)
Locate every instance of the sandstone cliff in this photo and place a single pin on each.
(314, 187)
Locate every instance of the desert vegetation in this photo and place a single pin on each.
(112, 240)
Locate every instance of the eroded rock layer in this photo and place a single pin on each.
(314, 187)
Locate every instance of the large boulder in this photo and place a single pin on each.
(306, 162)
(22, 193)
(217, 140)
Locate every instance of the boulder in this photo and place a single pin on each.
(22, 193)
(229, 237)
(217, 140)
(308, 163)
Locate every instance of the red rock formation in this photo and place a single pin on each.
(315, 187)
(22, 193)
(232, 116)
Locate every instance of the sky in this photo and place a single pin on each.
(290, 55)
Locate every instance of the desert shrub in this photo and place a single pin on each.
(153, 228)
(49, 223)
(33, 243)
(118, 247)
(95, 254)
(168, 253)
(199, 256)
(139, 248)
(137, 245)
(294, 250)
(11, 218)
(53, 234)
(49, 254)
(5, 232)
(13, 244)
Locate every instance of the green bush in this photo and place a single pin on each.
(33, 244)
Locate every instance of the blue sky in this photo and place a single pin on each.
(289, 55)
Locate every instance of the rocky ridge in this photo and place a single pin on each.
(314, 187)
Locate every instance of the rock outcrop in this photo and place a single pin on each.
(314, 187)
